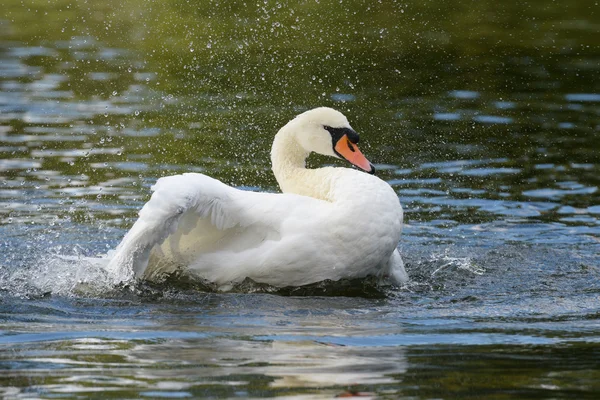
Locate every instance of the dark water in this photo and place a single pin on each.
(484, 116)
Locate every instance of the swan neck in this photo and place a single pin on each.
(288, 159)
(286, 153)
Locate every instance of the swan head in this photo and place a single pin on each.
(327, 131)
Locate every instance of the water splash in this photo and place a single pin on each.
(62, 275)
(38, 261)
(462, 263)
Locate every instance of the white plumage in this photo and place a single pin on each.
(330, 223)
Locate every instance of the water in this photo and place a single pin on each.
(484, 118)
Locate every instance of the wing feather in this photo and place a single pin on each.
(179, 205)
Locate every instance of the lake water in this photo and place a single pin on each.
(483, 116)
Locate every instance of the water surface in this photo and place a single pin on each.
(484, 117)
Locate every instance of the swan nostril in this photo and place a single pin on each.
(352, 149)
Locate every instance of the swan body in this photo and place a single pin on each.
(329, 223)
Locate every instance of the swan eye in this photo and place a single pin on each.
(338, 133)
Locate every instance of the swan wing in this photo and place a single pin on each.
(193, 214)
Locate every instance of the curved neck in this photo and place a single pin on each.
(288, 160)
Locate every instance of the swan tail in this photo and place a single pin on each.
(395, 269)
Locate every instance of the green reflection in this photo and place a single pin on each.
(213, 82)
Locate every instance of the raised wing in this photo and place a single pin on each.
(193, 213)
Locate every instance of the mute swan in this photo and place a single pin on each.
(329, 223)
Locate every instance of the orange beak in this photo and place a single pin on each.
(350, 152)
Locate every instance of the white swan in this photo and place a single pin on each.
(329, 223)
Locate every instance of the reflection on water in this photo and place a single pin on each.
(262, 346)
(485, 119)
